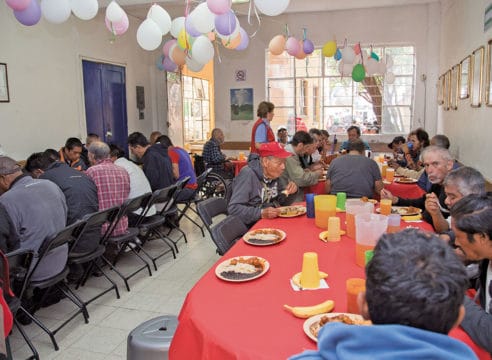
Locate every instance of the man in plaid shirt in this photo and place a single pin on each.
(214, 158)
(112, 182)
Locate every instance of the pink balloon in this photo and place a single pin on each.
(18, 5)
(167, 46)
(118, 28)
(30, 15)
(292, 46)
(219, 7)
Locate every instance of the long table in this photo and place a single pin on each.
(224, 320)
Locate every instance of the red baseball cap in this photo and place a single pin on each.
(273, 149)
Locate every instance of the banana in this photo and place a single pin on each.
(307, 311)
(297, 278)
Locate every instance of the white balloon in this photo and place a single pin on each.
(193, 65)
(389, 78)
(381, 67)
(114, 12)
(272, 7)
(202, 50)
(161, 18)
(371, 66)
(56, 11)
(202, 18)
(177, 25)
(348, 55)
(149, 35)
(84, 9)
(357, 59)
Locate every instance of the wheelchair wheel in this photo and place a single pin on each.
(214, 186)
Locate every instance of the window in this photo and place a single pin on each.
(196, 109)
(312, 93)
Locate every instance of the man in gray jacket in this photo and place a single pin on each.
(301, 143)
(257, 191)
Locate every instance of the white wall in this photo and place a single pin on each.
(468, 128)
(45, 80)
(416, 25)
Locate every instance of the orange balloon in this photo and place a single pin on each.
(301, 55)
(277, 45)
(232, 43)
(178, 56)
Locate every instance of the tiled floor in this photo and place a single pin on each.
(111, 319)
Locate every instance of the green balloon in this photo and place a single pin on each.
(375, 56)
(358, 73)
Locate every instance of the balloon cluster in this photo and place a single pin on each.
(194, 35)
(116, 19)
(353, 61)
(297, 48)
(28, 12)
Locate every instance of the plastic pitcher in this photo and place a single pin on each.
(324, 207)
(352, 208)
(368, 230)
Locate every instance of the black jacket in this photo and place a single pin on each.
(157, 167)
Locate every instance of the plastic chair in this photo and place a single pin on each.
(61, 239)
(227, 232)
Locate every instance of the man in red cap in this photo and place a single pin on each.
(257, 190)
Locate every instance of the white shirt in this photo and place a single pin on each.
(139, 184)
(487, 282)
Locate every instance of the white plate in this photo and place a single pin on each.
(405, 181)
(313, 320)
(258, 237)
(219, 270)
(402, 210)
(293, 211)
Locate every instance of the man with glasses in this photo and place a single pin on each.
(257, 191)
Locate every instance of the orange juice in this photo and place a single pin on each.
(390, 174)
(385, 206)
(322, 216)
(354, 287)
(350, 219)
(360, 256)
(392, 229)
(384, 167)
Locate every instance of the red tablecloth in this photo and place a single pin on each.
(223, 320)
(238, 165)
(317, 189)
(407, 191)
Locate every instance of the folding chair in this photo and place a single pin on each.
(210, 208)
(227, 232)
(90, 259)
(64, 237)
(129, 239)
(172, 210)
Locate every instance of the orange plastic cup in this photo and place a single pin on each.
(354, 287)
(390, 174)
(385, 206)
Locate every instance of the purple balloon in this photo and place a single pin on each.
(160, 63)
(29, 16)
(190, 29)
(225, 24)
(169, 65)
(244, 39)
(307, 46)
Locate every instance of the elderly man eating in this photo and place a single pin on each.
(256, 191)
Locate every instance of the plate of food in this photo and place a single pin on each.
(405, 180)
(292, 211)
(315, 323)
(242, 268)
(264, 237)
(403, 210)
(366, 199)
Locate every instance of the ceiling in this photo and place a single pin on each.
(139, 8)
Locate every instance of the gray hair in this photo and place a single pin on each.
(467, 180)
(100, 150)
(443, 152)
(215, 132)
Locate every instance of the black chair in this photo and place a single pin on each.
(128, 240)
(18, 262)
(227, 232)
(151, 226)
(210, 208)
(90, 260)
(200, 180)
(172, 213)
(50, 246)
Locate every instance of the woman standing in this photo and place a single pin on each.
(262, 132)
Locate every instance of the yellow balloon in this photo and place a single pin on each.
(330, 48)
(183, 39)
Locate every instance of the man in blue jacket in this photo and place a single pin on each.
(414, 297)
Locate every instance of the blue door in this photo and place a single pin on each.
(105, 102)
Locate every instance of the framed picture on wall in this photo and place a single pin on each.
(477, 77)
(488, 75)
(4, 83)
(465, 77)
(440, 90)
(242, 104)
(455, 74)
(447, 90)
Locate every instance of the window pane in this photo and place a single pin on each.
(279, 66)
(310, 66)
(281, 92)
(338, 91)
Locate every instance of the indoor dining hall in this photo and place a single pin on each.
(239, 179)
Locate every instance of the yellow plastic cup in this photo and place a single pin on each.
(310, 272)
